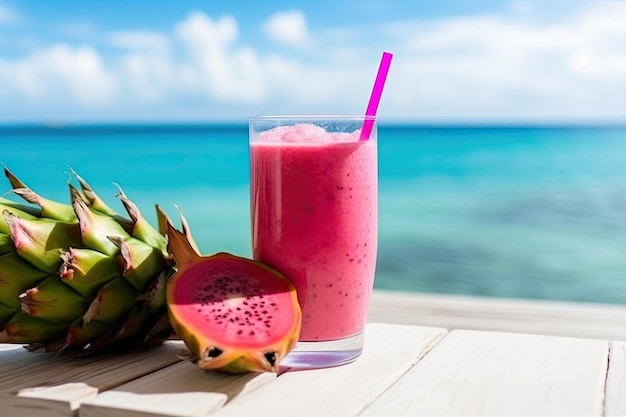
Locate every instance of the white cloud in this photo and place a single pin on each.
(147, 77)
(289, 28)
(200, 32)
(496, 66)
(214, 65)
(500, 66)
(61, 74)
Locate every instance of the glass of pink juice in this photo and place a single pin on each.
(314, 214)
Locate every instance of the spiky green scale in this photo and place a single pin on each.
(135, 328)
(22, 328)
(6, 312)
(154, 298)
(142, 262)
(142, 229)
(40, 241)
(114, 300)
(161, 329)
(137, 320)
(53, 301)
(6, 244)
(79, 335)
(9, 207)
(16, 276)
(96, 227)
(95, 202)
(11, 204)
(20, 209)
(49, 209)
(86, 270)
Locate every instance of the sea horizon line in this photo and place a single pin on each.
(173, 126)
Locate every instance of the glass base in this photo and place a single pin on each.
(311, 355)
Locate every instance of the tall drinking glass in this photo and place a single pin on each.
(314, 212)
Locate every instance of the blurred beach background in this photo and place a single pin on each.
(502, 129)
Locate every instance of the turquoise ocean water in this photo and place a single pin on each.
(530, 212)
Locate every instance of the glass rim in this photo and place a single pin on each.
(311, 117)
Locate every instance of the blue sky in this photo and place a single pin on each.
(478, 61)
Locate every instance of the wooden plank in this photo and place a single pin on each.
(557, 318)
(615, 403)
(8, 346)
(179, 390)
(57, 400)
(57, 385)
(485, 373)
(390, 350)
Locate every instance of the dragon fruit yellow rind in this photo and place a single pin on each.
(234, 314)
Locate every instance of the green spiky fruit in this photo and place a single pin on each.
(79, 276)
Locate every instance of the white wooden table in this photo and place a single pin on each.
(405, 370)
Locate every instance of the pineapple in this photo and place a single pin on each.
(79, 276)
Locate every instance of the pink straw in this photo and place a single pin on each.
(377, 91)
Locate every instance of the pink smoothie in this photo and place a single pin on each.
(314, 218)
